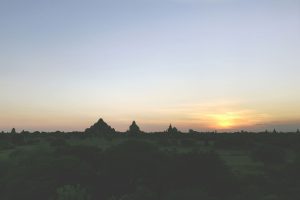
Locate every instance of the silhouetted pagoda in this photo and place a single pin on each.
(134, 128)
(101, 128)
(172, 130)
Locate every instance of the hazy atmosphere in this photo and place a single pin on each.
(200, 64)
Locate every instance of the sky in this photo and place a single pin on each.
(199, 64)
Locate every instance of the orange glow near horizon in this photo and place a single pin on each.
(218, 115)
(238, 119)
(226, 120)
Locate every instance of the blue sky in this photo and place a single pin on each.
(202, 64)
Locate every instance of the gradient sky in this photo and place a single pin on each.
(201, 64)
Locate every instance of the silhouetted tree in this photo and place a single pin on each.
(298, 131)
(36, 132)
(191, 131)
(175, 130)
(274, 131)
(266, 131)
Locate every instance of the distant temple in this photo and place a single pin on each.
(172, 130)
(100, 128)
(134, 128)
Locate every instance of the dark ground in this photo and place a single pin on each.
(157, 166)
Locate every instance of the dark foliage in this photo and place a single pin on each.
(126, 169)
(156, 166)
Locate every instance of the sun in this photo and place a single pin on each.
(226, 120)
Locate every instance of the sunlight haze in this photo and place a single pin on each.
(197, 64)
